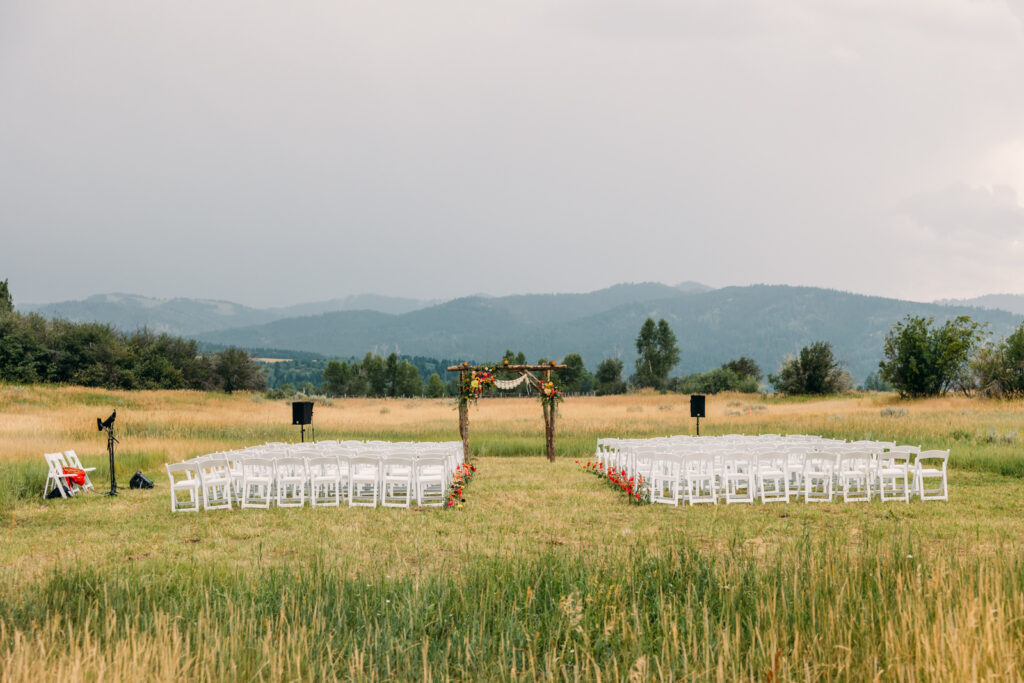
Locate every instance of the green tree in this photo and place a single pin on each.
(435, 386)
(657, 353)
(373, 371)
(714, 381)
(1013, 359)
(337, 378)
(90, 354)
(6, 302)
(23, 354)
(574, 378)
(391, 364)
(407, 381)
(874, 382)
(744, 367)
(999, 368)
(235, 370)
(608, 379)
(814, 370)
(923, 360)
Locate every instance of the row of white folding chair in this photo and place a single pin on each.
(396, 480)
(639, 450)
(853, 475)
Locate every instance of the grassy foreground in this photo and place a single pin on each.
(547, 573)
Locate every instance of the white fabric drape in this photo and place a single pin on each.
(507, 384)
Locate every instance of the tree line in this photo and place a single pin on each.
(35, 349)
(919, 359)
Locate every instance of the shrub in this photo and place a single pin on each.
(814, 370)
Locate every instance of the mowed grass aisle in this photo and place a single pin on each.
(546, 574)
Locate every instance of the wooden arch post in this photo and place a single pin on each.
(549, 408)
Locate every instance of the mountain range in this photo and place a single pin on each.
(189, 317)
(763, 322)
(1014, 303)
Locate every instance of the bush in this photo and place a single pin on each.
(922, 360)
(715, 381)
(999, 369)
(608, 379)
(814, 371)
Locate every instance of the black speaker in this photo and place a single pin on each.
(140, 481)
(697, 406)
(302, 412)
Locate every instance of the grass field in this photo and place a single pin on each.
(546, 574)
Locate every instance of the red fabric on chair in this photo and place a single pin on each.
(74, 475)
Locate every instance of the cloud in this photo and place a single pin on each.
(964, 240)
(1017, 7)
(988, 214)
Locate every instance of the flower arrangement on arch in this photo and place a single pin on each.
(550, 393)
(475, 383)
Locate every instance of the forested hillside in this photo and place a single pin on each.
(761, 322)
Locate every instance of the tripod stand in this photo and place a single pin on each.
(111, 440)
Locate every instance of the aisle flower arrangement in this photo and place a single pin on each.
(638, 491)
(464, 474)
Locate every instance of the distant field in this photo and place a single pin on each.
(546, 573)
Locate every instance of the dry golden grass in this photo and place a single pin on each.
(180, 424)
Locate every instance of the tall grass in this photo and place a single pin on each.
(887, 610)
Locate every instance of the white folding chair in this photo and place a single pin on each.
(215, 482)
(738, 477)
(931, 465)
(817, 477)
(432, 481)
(397, 480)
(855, 475)
(699, 478)
(72, 459)
(186, 483)
(363, 480)
(666, 479)
(324, 480)
(795, 468)
(290, 481)
(257, 482)
(772, 477)
(55, 477)
(893, 473)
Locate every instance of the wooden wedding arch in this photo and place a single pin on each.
(549, 406)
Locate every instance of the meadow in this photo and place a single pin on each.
(547, 573)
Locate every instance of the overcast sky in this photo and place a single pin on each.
(277, 152)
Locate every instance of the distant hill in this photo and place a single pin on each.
(129, 312)
(713, 326)
(1014, 303)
